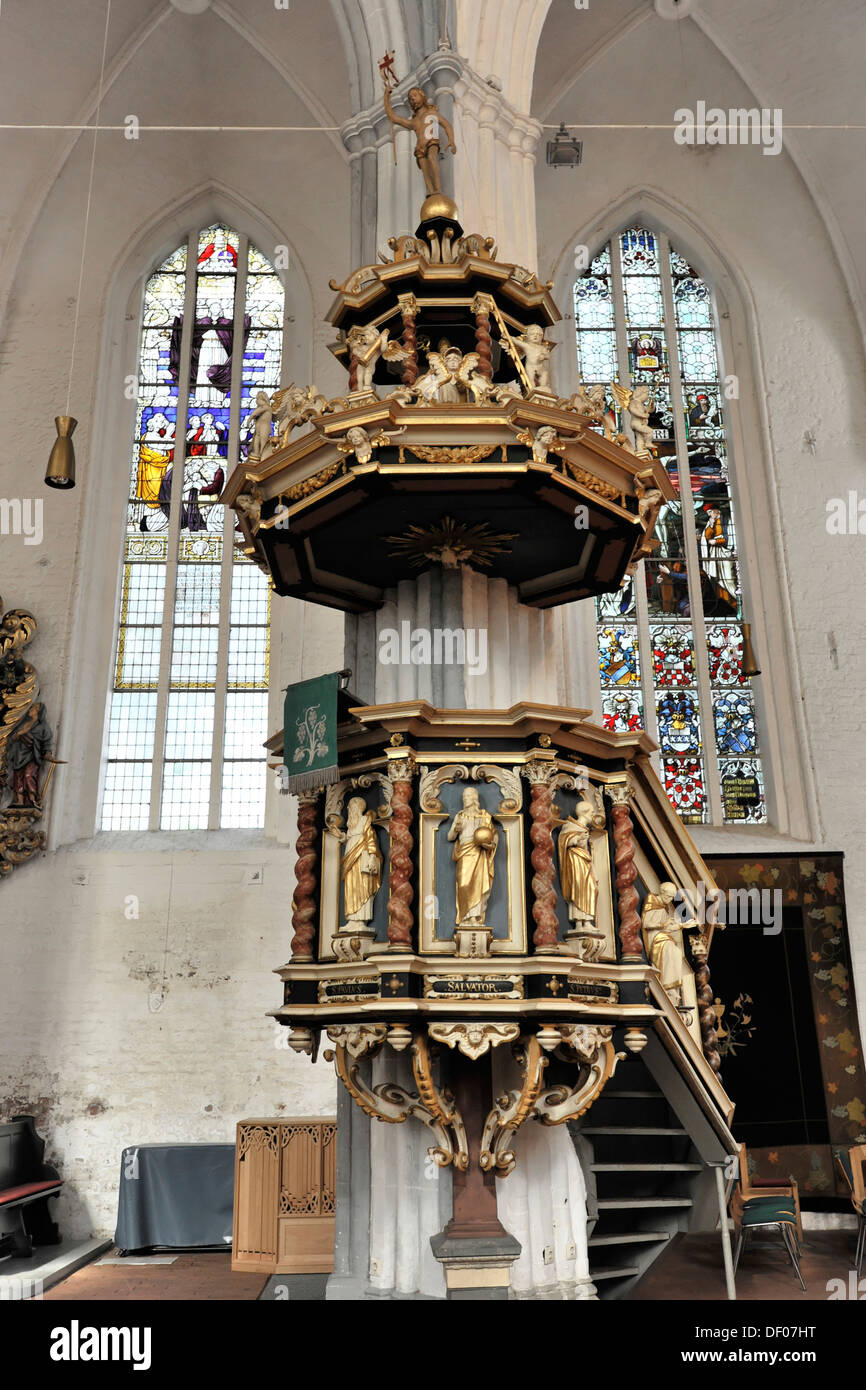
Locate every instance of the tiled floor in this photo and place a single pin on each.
(190, 1277)
(691, 1269)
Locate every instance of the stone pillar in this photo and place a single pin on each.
(495, 168)
(520, 653)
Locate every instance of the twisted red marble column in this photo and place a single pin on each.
(304, 908)
(409, 309)
(353, 373)
(626, 873)
(400, 867)
(706, 1012)
(542, 820)
(483, 340)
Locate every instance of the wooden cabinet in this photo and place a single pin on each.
(285, 1179)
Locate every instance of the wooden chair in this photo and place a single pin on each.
(763, 1187)
(756, 1206)
(851, 1163)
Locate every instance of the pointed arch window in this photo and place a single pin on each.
(189, 697)
(670, 641)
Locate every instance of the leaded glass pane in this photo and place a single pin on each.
(181, 590)
(700, 521)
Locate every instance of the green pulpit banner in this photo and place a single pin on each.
(310, 733)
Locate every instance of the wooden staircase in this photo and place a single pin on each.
(641, 1167)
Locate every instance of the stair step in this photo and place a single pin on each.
(646, 1167)
(625, 1273)
(632, 1129)
(630, 1238)
(621, 1203)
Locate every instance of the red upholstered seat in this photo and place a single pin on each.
(29, 1189)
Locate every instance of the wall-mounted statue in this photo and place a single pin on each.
(27, 750)
(475, 840)
(25, 745)
(663, 939)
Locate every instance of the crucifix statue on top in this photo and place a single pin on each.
(425, 121)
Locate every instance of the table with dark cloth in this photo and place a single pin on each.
(175, 1196)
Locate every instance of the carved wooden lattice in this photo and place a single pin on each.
(285, 1180)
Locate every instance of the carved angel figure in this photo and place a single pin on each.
(261, 419)
(366, 345)
(650, 503)
(293, 406)
(536, 352)
(249, 504)
(542, 442)
(638, 404)
(361, 444)
(439, 383)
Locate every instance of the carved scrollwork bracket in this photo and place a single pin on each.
(512, 1108)
(393, 1104)
(591, 1047)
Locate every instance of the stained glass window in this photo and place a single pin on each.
(188, 709)
(670, 639)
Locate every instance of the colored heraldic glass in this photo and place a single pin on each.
(189, 703)
(670, 639)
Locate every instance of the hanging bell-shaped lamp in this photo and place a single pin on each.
(750, 661)
(61, 462)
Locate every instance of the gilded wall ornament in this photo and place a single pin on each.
(474, 1039)
(469, 454)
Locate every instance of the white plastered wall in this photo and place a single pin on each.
(137, 969)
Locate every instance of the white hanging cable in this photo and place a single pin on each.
(96, 129)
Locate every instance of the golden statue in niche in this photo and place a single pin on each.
(476, 839)
(576, 874)
(361, 869)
